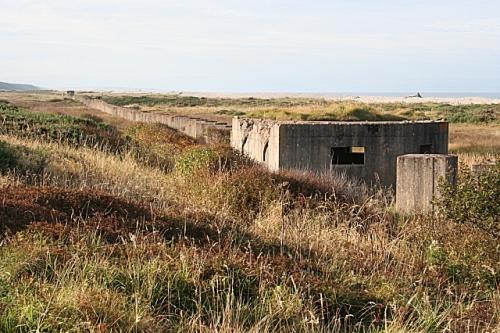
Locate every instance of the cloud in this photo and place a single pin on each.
(195, 39)
(479, 27)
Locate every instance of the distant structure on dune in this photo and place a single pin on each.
(418, 95)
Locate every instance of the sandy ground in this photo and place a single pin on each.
(362, 99)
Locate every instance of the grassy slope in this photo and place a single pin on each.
(204, 240)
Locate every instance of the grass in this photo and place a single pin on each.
(474, 138)
(192, 101)
(98, 239)
(63, 128)
(310, 109)
(157, 145)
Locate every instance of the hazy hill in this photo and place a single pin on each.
(17, 87)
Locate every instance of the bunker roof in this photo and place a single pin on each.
(343, 122)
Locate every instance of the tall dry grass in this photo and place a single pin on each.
(228, 246)
(286, 256)
(475, 138)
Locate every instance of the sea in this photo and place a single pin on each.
(493, 95)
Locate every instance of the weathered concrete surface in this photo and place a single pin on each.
(258, 139)
(309, 145)
(200, 129)
(418, 178)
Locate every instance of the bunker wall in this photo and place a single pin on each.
(371, 148)
(258, 139)
(310, 146)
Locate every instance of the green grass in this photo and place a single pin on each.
(192, 101)
(341, 114)
(55, 127)
(105, 240)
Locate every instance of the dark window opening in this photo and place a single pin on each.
(348, 155)
(426, 149)
(265, 152)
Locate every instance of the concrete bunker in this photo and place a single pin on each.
(364, 150)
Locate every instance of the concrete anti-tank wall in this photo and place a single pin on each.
(201, 129)
(307, 145)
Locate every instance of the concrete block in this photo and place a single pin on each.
(418, 179)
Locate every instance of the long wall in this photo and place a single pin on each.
(203, 130)
(312, 145)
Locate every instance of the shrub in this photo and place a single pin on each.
(245, 192)
(196, 159)
(157, 145)
(475, 199)
(466, 114)
(209, 159)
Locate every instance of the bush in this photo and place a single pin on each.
(473, 114)
(245, 192)
(209, 159)
(475, 199)
(157, 145)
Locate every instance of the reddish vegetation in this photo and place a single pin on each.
(56, 212)
(53, 210)
(22, 206)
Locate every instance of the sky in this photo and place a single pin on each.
(253, 46)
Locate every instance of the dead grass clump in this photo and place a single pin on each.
(60, 213)
(323, 186)
(475, 138)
